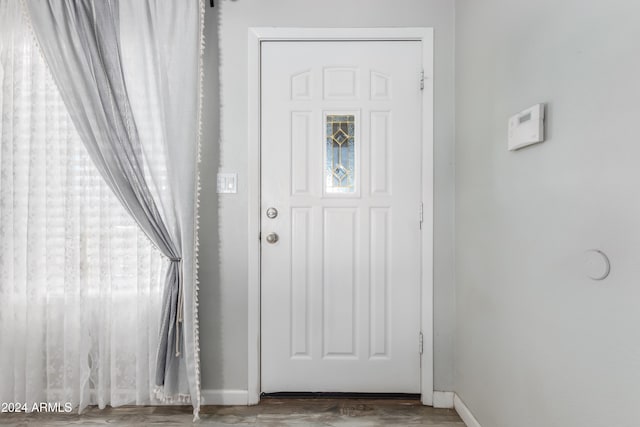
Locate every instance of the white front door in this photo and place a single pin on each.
(340, 228)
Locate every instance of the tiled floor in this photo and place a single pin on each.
(270, 413)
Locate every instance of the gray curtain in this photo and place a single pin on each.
(80, 40)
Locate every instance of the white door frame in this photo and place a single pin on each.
(256, 36)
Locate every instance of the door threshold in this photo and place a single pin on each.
(333, 395)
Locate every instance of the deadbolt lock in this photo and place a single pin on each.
(272, 213)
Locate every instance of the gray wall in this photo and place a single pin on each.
(223, 223)
(538, 343)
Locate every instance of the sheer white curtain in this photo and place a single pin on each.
(80, 285)
(105, 55)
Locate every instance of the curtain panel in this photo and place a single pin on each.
(102, 55)
(80, 284)
(129, 73)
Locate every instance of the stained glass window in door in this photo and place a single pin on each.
(340, 154)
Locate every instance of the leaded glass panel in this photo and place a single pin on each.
(340, 154)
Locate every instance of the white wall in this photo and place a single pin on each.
(538, 343)
(223, 225)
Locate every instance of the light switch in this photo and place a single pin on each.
(227, 182)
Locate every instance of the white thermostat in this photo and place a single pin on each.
(526, 127)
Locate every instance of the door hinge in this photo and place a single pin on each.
(422, 80)
(421, 215)
(260, 236)
(420, 343)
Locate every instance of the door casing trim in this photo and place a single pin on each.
(256, 36)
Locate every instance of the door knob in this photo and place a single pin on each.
(272, 213)
(272, 238)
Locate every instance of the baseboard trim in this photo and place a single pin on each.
(443, 399)
(225, 397)
(464, 412)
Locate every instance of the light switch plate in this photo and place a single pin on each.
(227, 183)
